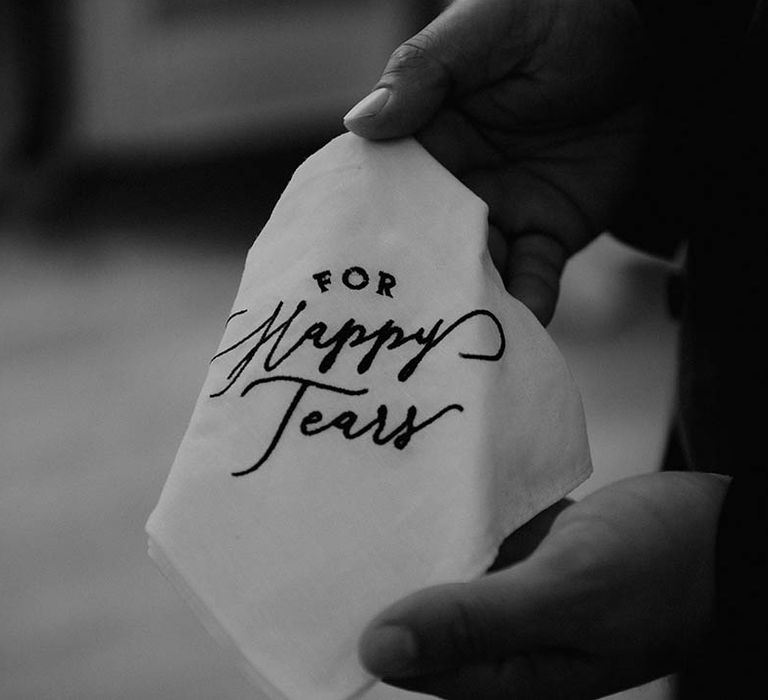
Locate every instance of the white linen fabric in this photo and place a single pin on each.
(379, 416)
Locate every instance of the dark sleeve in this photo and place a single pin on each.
(741, 627)
(723, 354)
(693, 48)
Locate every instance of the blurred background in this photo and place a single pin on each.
(143, 144)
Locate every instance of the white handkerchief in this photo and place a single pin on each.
(379, 416)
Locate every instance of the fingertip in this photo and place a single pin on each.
(537, 297)
(363, 115)
(390, 113)
(534, 266)
(389, 651)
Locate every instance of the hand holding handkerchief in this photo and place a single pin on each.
(379, 415)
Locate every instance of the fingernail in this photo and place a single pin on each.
(389, 652)
(369, 106)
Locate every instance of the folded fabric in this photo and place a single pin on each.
(380, 414)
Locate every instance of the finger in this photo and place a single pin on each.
(448, 57)
(413, 87)
(415, 83)
(455, 625)
(543, 675)
(543, 228)
(535, 263)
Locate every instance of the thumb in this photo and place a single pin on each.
(414, 84)
(423, 71)
(456, 625)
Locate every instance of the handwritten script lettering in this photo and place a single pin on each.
(282, 334)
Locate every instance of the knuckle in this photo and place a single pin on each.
(417, 54)
(416, 49)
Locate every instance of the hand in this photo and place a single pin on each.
(619, 592)
(536, 106)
